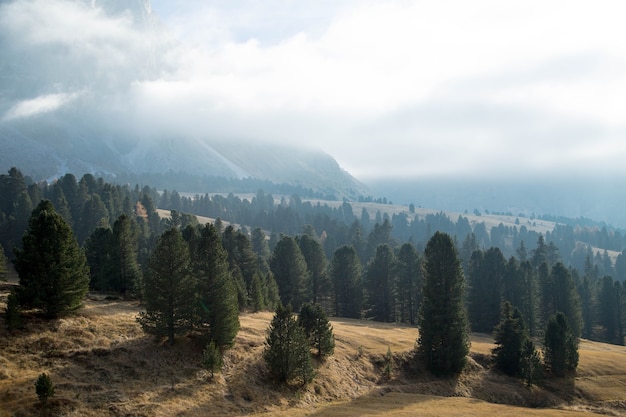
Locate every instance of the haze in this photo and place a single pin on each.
(390, 89)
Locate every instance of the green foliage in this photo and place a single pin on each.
(168, 288)
(98, 250)
(287, 349)
(44, 388)
(319, 285)
(560, 346)
(531, 368)
(317, 328)
(290, 271)
(486, 276)
(510, 335)
(381, 285)
(217, 305)
(127, 275)
(212, 358)
(53, 271)
(444, 340)
(560, 295)
(258, 292)
(346, 276)
(12, 312)
(410, 281)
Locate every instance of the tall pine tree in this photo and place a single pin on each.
(346, 276)
(443, 342)
(168, 288)
(217, 307)
(381, 285)
(290, 271)
(53, 270)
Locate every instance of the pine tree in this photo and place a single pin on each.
(257, 293)
(319, 282)
(381, 285)
(168, 288)
(287, 350)
(560, 346)
(510, 335)
(290, 271)
(443, 342)
(127, 273)
(346, 276)
(217, 306)
(212, 358)
(44, 389)
(486, 276)
(410, 279)
(52, 268)
(317, 328)
(98, 248)
(531, 368)
(560, 295)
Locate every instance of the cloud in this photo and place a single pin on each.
(39, 105)
(389, 88)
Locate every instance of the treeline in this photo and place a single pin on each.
(353, 266)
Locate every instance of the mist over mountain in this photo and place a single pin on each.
(72, 77)
(574, 197)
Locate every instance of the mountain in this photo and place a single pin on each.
(68, 103)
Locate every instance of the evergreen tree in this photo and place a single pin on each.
(410, 279)
(346, 276)
(315, 258)
(258, 294)
(381, 285)
(217, 306)
(560, 295)
(168, 288)
(443, 342)
(530, 297)
(587, 304)
(531, 367)
(259, 243)
(290, 271)
(317, 328)
(560, 346)
(44, 389)
(127, 274)
(486, 276)
(509, 335)
(98, 250)
(609, 310)
(212, 358)
(287, 349)
(93, 214)
(52, 268)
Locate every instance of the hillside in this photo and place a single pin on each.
(102, 364)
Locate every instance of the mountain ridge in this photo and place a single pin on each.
(67, 108)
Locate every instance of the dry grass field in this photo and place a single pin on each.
(103, 365)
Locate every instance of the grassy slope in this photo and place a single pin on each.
(102, 364)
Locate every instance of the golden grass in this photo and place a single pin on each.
(103, 365)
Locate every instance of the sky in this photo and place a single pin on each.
(395, 89)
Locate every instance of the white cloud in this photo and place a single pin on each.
(39, 105)
(387, 87)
